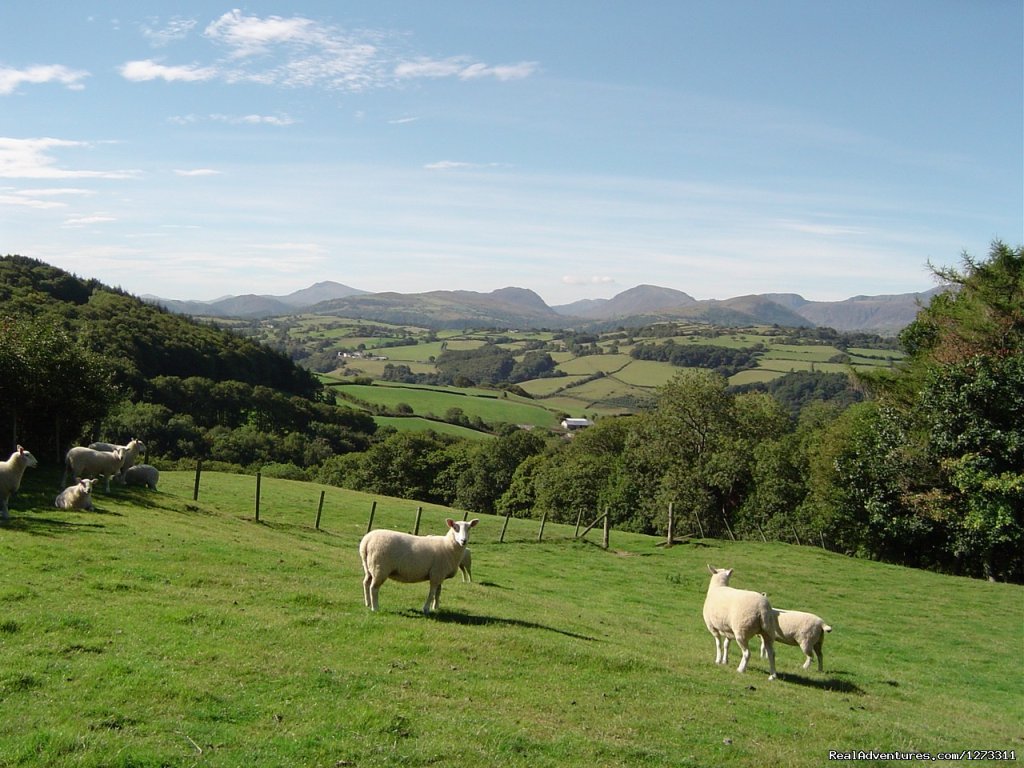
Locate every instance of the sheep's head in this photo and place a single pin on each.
(86, 484)
(460, 529)
(720, 576)
(28, 458)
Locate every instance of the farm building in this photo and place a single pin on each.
(571, 424)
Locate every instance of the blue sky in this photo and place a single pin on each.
(195, 149)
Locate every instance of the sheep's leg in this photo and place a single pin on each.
(718, 648)
(367, 578)
(725, 649)
(433, 598)
(746, 654)
(771, 657)
(821, 658)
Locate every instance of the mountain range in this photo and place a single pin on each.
(522, 308)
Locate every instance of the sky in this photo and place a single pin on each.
(193, 150)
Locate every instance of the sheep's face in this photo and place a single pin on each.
(460, 530)
(29, 459)
(86, 484)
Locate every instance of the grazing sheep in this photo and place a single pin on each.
(409, 559)
(466, 565)
(738, 614)
(75, 496)
(11, 472)
(132, 451)
(803, 629)
(142, 474)
(87, 462)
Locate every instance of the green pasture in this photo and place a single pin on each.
(491, 406)
(417, 424)
(541, 388)
(590, 364)
(163, 631)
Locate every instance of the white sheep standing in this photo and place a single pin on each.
(803, 629)
(87, 462)
(78, 496)
(142, 474)
(132, 451)
(466, 565)
(403, 557)
(11, 472)
(738, 614)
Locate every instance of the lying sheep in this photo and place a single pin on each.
(738, 614)
(132, 451)
(142, 474)
(803, 629)
(11, 472)
(466, 565)
(409, 559)
(86, 462)
(75, 496)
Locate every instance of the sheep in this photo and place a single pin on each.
(466, 565)
(738, 614)
(75, 496)
(132, 451)
(803, 629)
(87, 462)
(409, 559)
(142, 474)
(11, 472)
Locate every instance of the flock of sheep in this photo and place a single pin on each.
(84, 465)
(729, 613)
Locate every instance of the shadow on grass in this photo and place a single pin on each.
(834, 684)
(45, 526)
(470, 620)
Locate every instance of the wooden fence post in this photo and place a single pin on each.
(671, 526)
(543, 519)
(579, 519)
(319, 509)
(259, 477)
(607, 527)
(416, 529)
(700, 527)
(373, 509)
(501, 539)
(199, 471)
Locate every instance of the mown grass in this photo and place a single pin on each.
(162, 631)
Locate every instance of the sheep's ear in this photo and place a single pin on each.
(450, 523)
(713, 571)
(473, 522)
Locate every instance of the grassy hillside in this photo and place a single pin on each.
(158, 631)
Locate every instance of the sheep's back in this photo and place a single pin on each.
(737, 611)
(402, 556)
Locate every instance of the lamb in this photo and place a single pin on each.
(142, 474)
(132, 451)
(803, 629)
(409, 559)
(738, 614)
(75, 496)
(87, 462)
(11, 472)
(466, 565)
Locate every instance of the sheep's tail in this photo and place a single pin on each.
(826, 627)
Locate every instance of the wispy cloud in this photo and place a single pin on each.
(276, 120)
(147, 69)
(197, 172)
(463, 68)
(32, 159)
(454, 165)
(84, 221)
(176, 29)
(583, 280)
(11, 79)
(402, 120)
(300, 52)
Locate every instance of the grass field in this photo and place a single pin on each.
(162, 631)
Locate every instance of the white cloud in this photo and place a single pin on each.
(249, 35)
(463, 68)
(31, 159)
(10, 79)
(197, 172)
(402, 120)
(452, 165)
(82, 221)
(147, 69)
(592, 280)
(176, 29)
